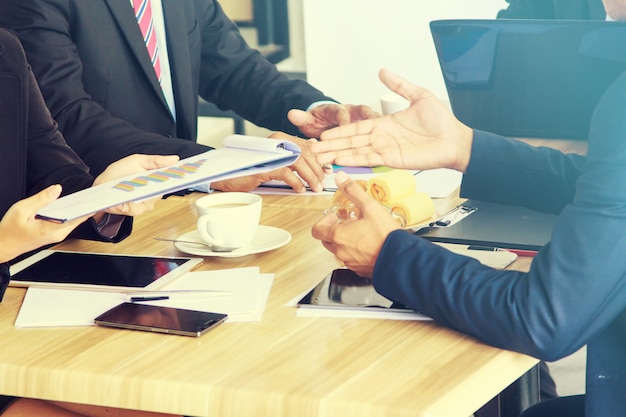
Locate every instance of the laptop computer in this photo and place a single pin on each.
(528, 78)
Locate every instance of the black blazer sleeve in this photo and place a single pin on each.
(92, 66)
(91, 80)
(237, 77)
(33, 153)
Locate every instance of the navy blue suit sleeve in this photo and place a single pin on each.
(575, 287)
(528, 9)
(511, 172)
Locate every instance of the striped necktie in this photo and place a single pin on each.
(143, 12)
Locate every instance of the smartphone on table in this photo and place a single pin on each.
(160, 319)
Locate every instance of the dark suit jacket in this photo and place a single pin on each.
(554, 9)
(33, 154)
(575, 291)
(93, 68)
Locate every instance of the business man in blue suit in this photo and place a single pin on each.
(554, 9)
(575, 291)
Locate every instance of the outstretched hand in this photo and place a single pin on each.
(305, 171)
(21, 231)
(425, 135)
(326, 116)
(356, 242)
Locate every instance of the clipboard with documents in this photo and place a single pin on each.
(240, 156)
(495, 225)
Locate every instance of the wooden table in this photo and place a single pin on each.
(283, 366)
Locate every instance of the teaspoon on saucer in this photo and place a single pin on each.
(191, 242)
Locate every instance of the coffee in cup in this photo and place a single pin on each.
(228, 220)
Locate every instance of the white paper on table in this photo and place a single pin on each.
(47, 307)
(249, 288)
(354, 314)
(437, 183)
(55, 307)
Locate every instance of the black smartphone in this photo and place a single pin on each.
(160, 319)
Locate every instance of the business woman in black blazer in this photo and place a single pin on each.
(95, 74)
(33, 159)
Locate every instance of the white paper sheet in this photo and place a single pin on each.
(437, 183)
(241, 155)
(249, 290)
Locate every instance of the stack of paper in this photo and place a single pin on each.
(244, 300)
(437, 183)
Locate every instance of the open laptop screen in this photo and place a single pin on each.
(529, 78)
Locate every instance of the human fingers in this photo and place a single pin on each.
(402, 86)
(362, 127)
(241, 184)
(156, 161)
(43, 197)
(308, 167)
(288, 176)
(351, 157)
(353, 191)
(324, 228)
(300, 118)
(133, 164)
(363, 156)
(335, 114)
(362, 112)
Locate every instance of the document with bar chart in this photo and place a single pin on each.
(241, 155)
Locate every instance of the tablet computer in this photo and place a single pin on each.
(114, 272)
(344, 289)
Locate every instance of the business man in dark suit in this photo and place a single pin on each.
(96, 75)
(554, 9)
(575, 291)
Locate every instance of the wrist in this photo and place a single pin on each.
(465, 139)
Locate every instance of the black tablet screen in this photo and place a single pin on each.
(98, 269)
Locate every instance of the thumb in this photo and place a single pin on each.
(402, 87)
(299, 117)
(352, 190)
(160, 161)
(44, 197)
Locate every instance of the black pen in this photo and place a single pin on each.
(520, 252)
(175, 294)
(155, 298)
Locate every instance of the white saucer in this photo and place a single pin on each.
(266, 238)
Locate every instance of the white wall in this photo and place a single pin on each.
(296, 61)
(348, 41)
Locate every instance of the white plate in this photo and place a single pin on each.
(266, 238)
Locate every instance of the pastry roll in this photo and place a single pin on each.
(413, 208)
(340, 199)
(391, 185)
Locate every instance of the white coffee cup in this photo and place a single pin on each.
(393, 103)
(229, 220)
